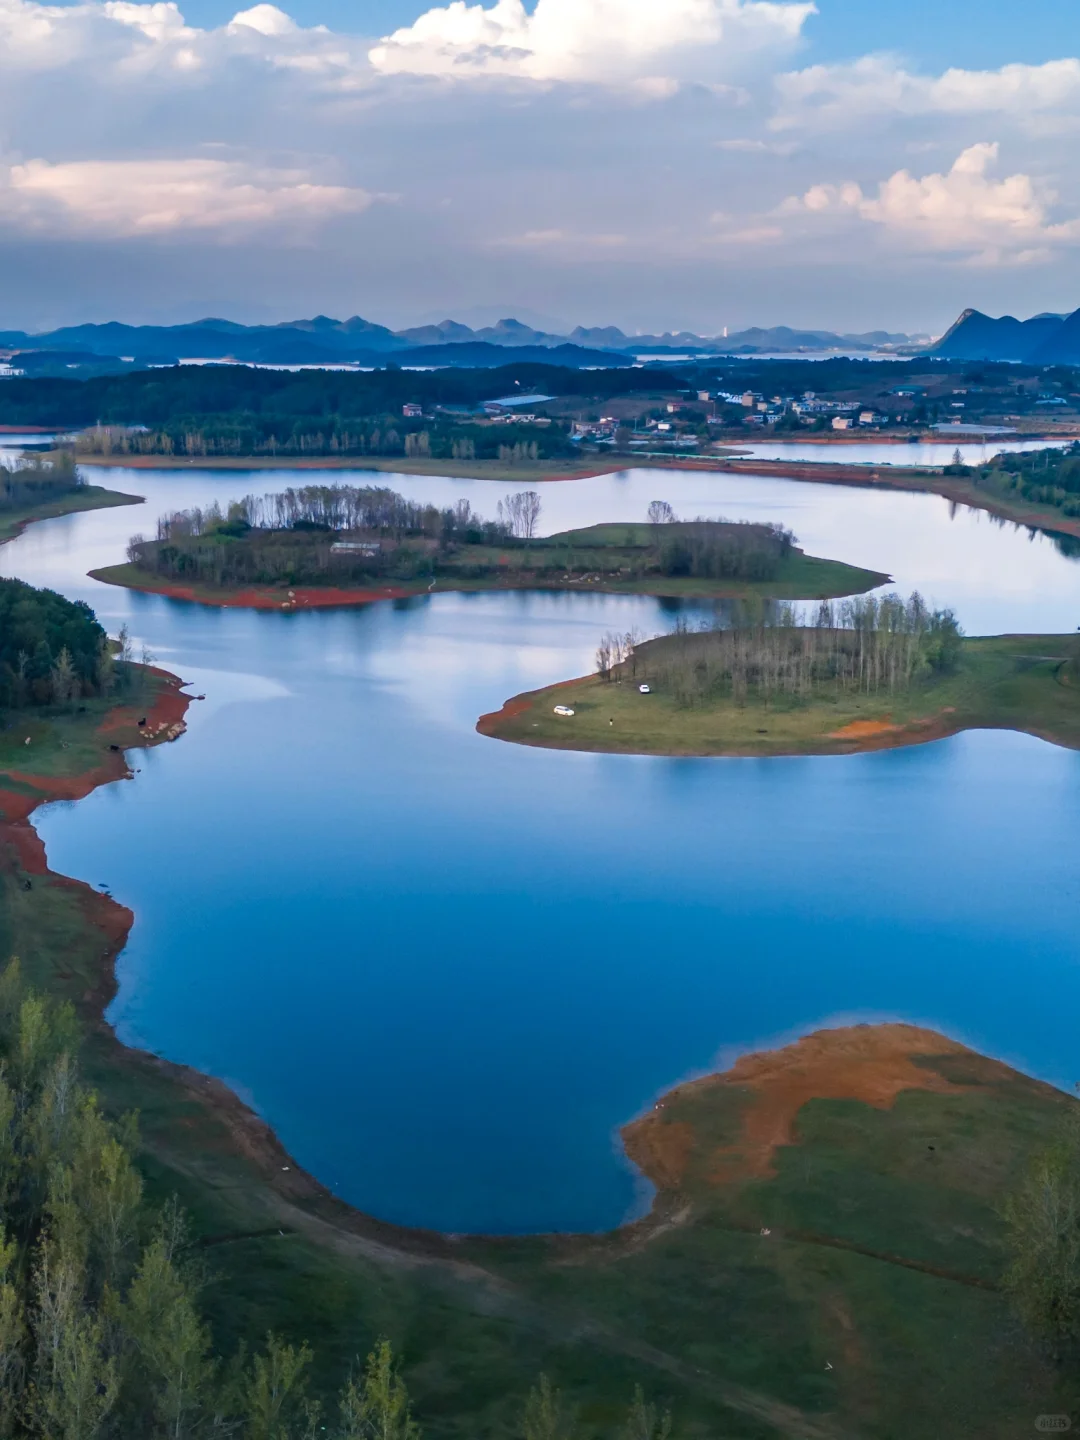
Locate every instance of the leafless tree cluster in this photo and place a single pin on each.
(520, 514)
(616, 655)
(868, 644)
(293, 536)
(326, 507)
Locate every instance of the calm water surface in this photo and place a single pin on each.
(447, 969)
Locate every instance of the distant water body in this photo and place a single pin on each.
(447, 969)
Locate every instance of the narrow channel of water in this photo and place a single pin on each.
(446, 969)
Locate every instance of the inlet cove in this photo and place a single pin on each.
(477, 1043)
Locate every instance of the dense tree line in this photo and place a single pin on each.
(718, 550)
(322, 534)
(38, 478)
(290, 436)
(52, 650)
(188, 395)
(368, 508)
(867, 645)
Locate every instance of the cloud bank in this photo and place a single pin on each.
(591, 40)
(629, 161)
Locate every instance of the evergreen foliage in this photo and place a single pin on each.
(52, 650)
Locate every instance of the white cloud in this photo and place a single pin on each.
(590, 40)
(120, 198)
(129, 39)
(265, 20)
(964, 211)
(1032, 95)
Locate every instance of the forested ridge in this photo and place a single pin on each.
(150, 397)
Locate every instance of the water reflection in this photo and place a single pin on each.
(445, 968)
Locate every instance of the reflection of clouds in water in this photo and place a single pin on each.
(921, 455)
(995, 578)
(466, 655)
(222, 687)
(499, 645)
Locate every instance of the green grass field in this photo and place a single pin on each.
(1012, 682)
(87, 497)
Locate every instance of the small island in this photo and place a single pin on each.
(870, 674)
(45, 486)
(343, 544)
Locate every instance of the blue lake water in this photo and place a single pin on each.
(447, 969)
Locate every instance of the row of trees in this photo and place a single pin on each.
(36, 478)
(320, 533)
(286, 436)
(373, 510)
(102, 1335)
(868, 644)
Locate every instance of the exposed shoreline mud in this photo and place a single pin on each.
(873, 1064)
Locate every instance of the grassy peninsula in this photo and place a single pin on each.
(43, 487)
(346, 544)
(824, 1257)
(696, 705)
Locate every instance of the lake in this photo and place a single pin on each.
(447, 969)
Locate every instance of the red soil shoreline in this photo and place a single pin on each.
(21, 844)
(873, 1064)
(260, 597)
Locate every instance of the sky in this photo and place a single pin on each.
(652, 164)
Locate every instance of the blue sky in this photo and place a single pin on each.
(648, 163)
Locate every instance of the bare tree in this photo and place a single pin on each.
(661, 513)
(521, 512)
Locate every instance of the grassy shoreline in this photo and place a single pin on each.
(87, 497)
(806, 1334)
(1014, 682)
(799, 577)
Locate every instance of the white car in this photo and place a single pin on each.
(564, 710)
(645, 689)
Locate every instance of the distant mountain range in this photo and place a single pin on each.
(1042, 340)
(324, 341)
